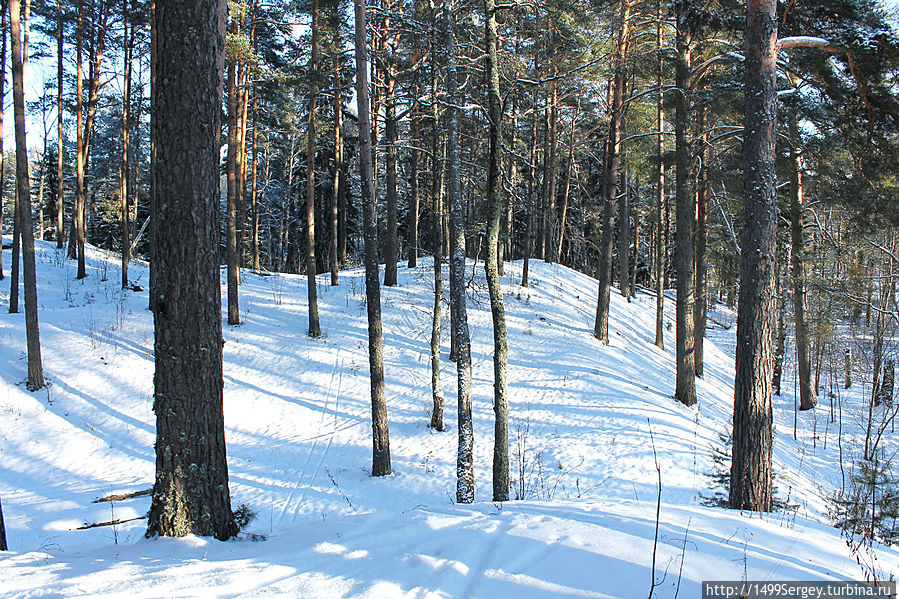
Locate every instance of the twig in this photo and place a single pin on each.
(110, 522)
(655, 540)
(120, 497)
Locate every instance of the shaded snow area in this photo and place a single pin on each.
(298, 432)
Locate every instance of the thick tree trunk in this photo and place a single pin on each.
(685, 384)
(381, 436)
(311, 269)
(751, 478)
(35, 379)
(465, 454)
(807, 397)
(496, 209)
(190, 494)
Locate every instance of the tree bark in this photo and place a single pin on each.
(751, 478)
(685, 384)
(338, 167)
(231, 250)
(128, 42)
(613, 161)
(381, 437)
(807, 397)
(496, 210)
(465, 454)
(190, 494)
(391, 249)
(700, 307)
(438, 400)
(29, 278)
(60, 184)
(624, 240)
(315, 330)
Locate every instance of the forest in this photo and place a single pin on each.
(718, 174)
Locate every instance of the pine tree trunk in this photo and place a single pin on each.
(128, 41)
(254, 189)
(231, 252)
(311, 269)
(700, 306)
(437, 195)
(751, 479)
(413, 183)
(381, 437)
(3, 30)
(685, 384)
(624, 240)
(807, 396)
(496, 210)
(613, 160)
(338, 169)
(391, 249)
(60, 189)
(465, 454)
(190, 494)
(35, 379)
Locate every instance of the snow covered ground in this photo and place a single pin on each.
(298, 433)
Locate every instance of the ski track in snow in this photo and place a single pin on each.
(298, 430)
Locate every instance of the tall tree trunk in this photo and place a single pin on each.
(567, 191)
(700, 307)
(685, 384)
(780, 329)
(807, 397)
(2, 95)
(29, 279)
(391, 249)
(231, 245)
(338, 167)
(128, 41)
(751, 479)
(465, 454)
(496, 209)
(413, 182)
(613, 160)
(437, 195)
(381, 437)
(552, 169)
(60, 184)
(311, 269)
(190, 494)
(254, 189)
(624, 240)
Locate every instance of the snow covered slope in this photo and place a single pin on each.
(298, 432)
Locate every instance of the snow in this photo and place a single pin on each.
(298, 431)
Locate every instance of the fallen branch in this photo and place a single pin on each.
(122, 496)
(110, 522)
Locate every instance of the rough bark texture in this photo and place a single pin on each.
(751, 478)
(311, 269)
(29, 281)
(624, 241)
(190, 494)
(496, 210)
(685, 384)
(380, 433)
(465, 454)
(391, 244)
(807, 397)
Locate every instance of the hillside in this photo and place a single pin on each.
(298, 436)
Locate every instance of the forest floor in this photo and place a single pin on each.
(586, 423)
